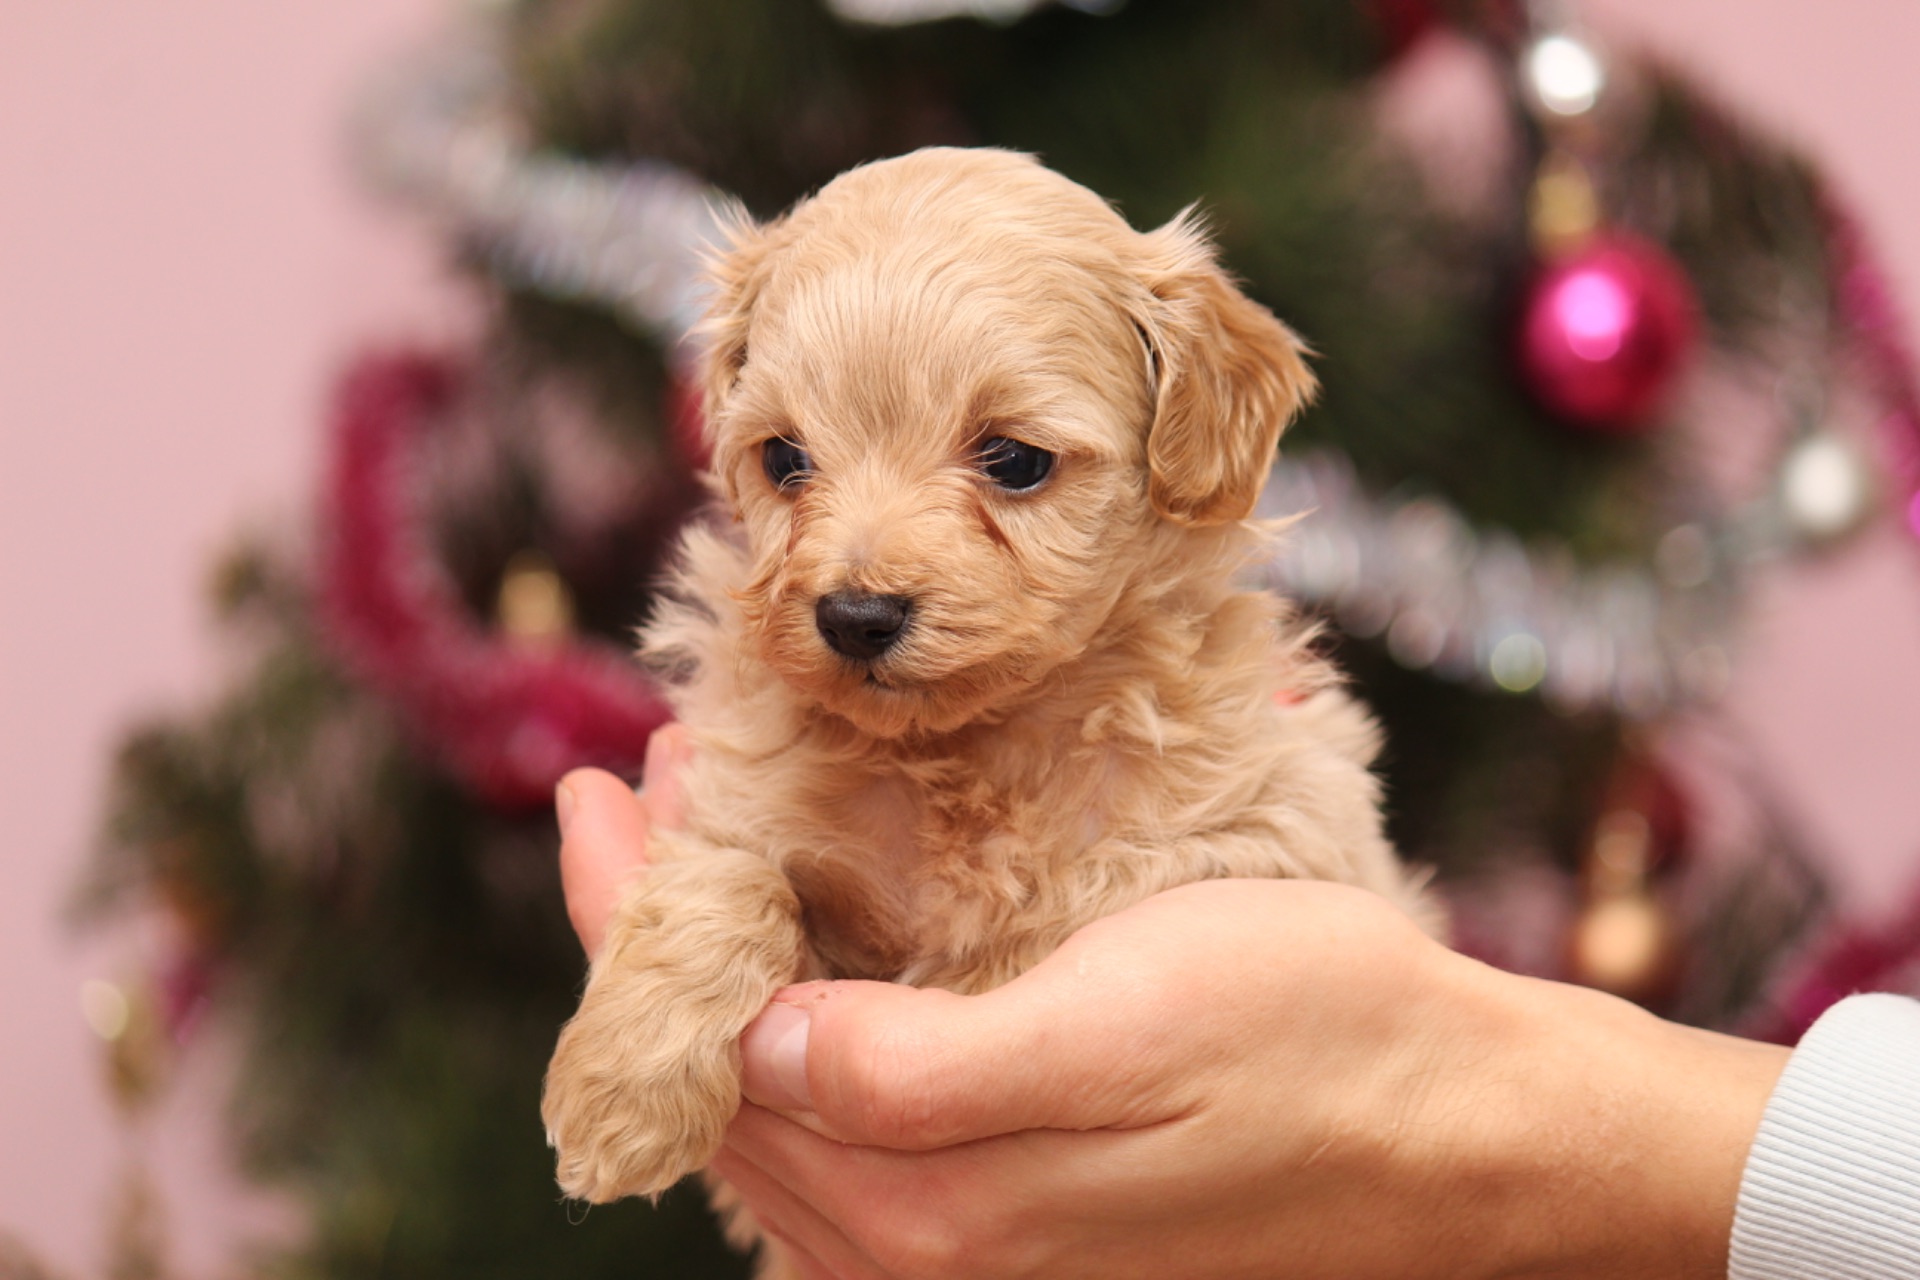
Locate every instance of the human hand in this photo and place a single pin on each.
(604, 828)
(1226, 1080)
(1243, 1078)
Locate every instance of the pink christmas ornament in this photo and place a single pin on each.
(1605, 332)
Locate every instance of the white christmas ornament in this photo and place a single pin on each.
(1825, 487)
(1565, 75)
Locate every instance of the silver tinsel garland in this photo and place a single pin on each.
(628, 237)
(1481, 607)
(1470, 605)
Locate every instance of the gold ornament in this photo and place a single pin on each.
(534, 607)
(1563, 210)
(1622, 940)
(127, 1020)
(1619, 943)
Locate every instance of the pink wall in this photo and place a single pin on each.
(182, 264)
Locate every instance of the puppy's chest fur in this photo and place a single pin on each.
(930, 867)
(1198, 738)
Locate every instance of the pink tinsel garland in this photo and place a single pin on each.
(507, 721)
(1886, 959)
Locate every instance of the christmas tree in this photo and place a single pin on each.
(1532, 559)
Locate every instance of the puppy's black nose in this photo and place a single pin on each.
(860, 625)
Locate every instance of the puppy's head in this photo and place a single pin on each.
(955, 398)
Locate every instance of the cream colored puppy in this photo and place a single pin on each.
(973, 670)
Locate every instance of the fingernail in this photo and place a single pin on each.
(563, 804)
(773, 1059)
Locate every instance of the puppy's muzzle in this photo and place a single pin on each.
(861, 626)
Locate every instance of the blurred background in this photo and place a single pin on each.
(324, 511)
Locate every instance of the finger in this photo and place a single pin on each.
(833, 1180)
(668, 752)
(811, 1164)
(972, 1209)
(912, 1069)
(817, 1247)
(603, 846)
(1103, 1033)
(805, 1265)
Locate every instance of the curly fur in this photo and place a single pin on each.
(1084, 707)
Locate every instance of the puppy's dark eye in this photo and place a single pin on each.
(786, 463)
(1014, 464)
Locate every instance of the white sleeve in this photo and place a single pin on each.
(1832, 1186)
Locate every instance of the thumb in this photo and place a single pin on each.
(604, 830)
(877, 1064)
(603, 846)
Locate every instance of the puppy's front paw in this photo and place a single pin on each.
(636, 1101)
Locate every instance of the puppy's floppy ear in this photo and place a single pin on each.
(1229, 378)
(735, 273)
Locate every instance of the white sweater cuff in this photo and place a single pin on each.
(1832, 1186)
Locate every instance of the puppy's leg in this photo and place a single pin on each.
(647, 1074)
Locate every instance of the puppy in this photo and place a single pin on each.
(973, 670)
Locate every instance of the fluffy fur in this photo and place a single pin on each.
(1083, 708)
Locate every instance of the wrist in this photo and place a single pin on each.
(1626, 1135)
